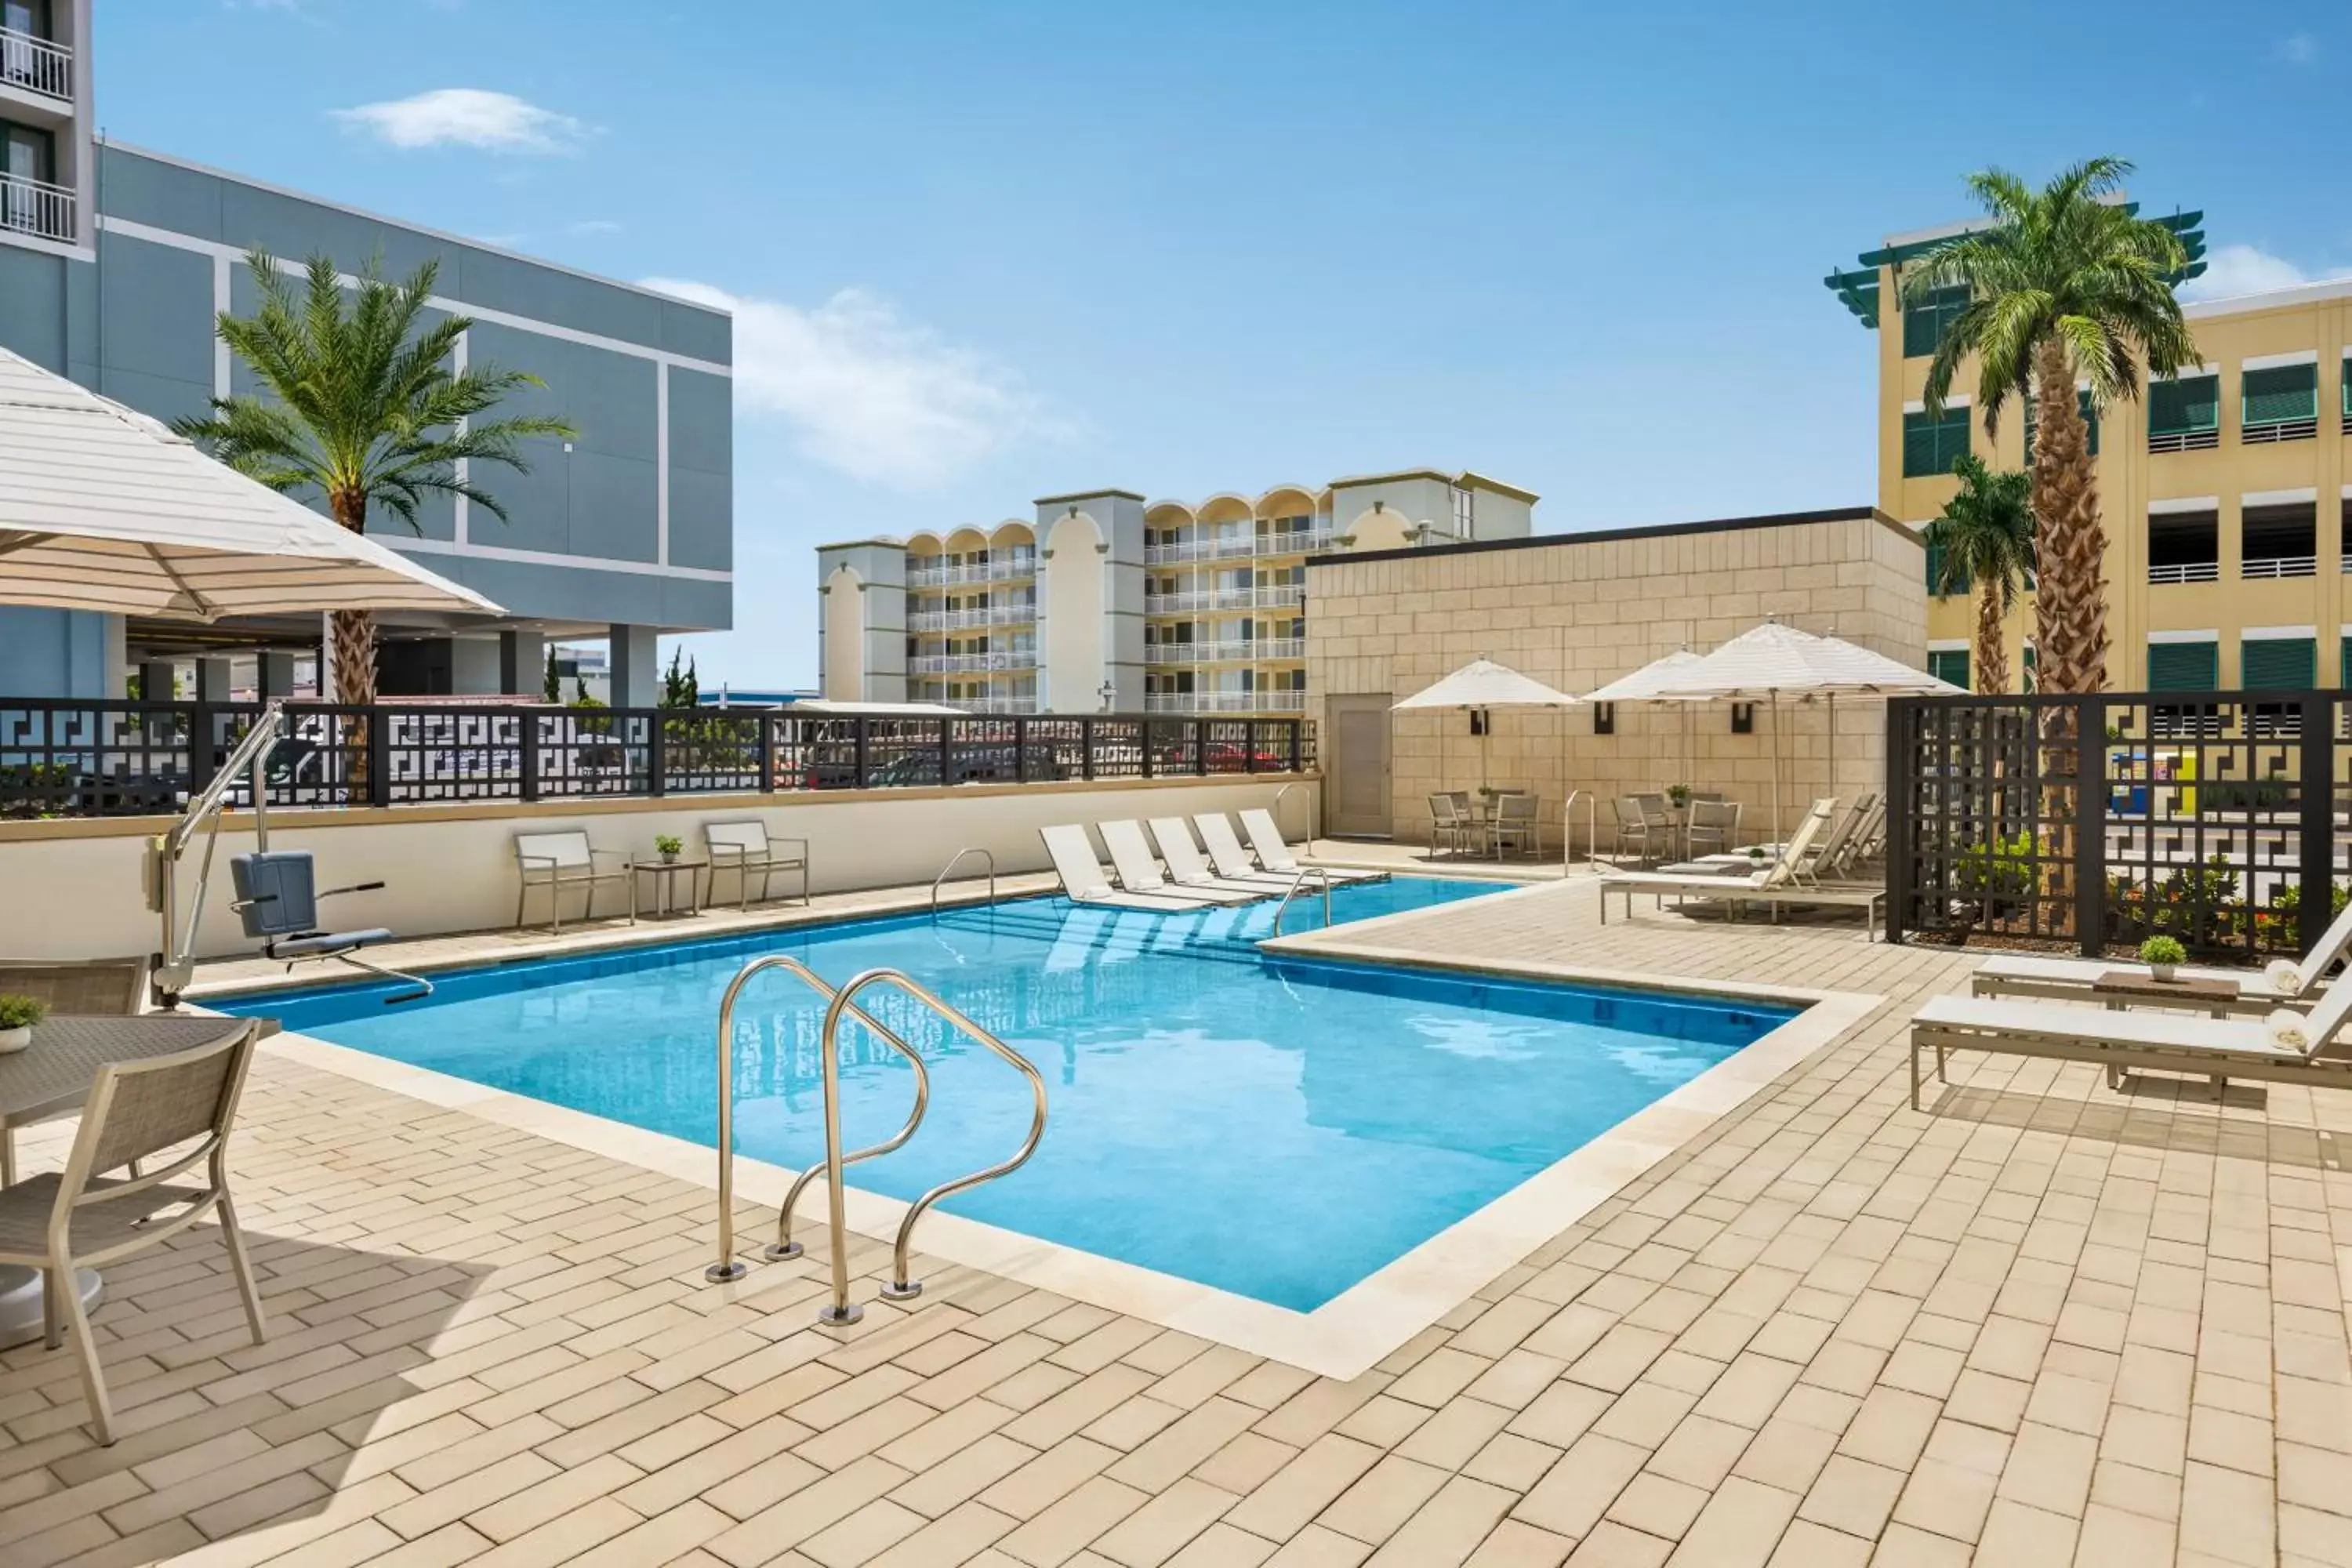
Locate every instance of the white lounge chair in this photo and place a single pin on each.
(1138, 868)
(2259, 990)
(1188, 868)
(1083, 879)
(1234, 862)
(2218, 1050)
(562, 860)
(1274, 855)
(1775, 885)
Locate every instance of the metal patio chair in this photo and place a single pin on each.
(564, 859)
(1449, 829)
(58, 1222)
(1518, 822)
(104, 988)
(744, 848)
(1714, 828)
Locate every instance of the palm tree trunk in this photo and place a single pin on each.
(2070, 620)
(1992, 660)
(353, 635)
(2070, 547)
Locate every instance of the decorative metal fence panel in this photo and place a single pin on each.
(63, 757)
(2089, 824)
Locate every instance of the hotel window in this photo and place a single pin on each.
(1925, 323)
(1932, 445)
(2184, 667)
(2345, 396)
(2278, 664)
(2281, 403)
(1936, 584)
(2279, 541)
(1465, 513)
(2090, 417)
(1950, 664)
(2184, 415)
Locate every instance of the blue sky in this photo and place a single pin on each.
(981, 254)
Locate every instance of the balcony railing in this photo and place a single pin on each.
(970, 663)
(2186, 571)
(1004, 571)
(34, 64)
(1275, 597)
(2281, 566)
(957, 620)
(1224, 702)
(1287, 542)
(1245, 651)
(2303, 429)
(991, 704)
(70, 757)
(2184, 440)
(37, 208)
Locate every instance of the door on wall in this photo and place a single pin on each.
(1356, 766)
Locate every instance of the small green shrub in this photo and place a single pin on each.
(21, 1012)
(668, 844)
(2159, 949)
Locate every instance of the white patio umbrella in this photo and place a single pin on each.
(1480, 685)
(1648, 684)
(1773, 660)
(103, 509)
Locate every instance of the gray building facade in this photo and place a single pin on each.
(626, 531)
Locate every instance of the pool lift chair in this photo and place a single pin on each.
(277, 890)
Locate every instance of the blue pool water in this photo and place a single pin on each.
(1273, 1128)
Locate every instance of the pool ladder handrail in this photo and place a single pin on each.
(1299, 882)
(839, 1004)
(900, 1287)
(953, 861)
(1591, 829)
(728, 1268)
(1274, 810)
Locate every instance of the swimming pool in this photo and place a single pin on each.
(1269, 1127)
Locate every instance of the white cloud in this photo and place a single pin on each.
(878, 397)
(2298, 49)
(595, 226)
(465, 117)
(2236, 269)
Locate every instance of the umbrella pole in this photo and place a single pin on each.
(1780, 835)
(1833, 760)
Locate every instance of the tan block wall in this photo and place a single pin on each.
(1578, 615)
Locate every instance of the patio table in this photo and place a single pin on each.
(53, 1076)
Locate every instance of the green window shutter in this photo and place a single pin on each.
(1931, 446)
(2031, 668)
(2284, 392)
(2344, 672)
(2192, 403)
(1950, 664)
(2278, 664)
(2345, 382)
(2184, 666)
(1925, 324)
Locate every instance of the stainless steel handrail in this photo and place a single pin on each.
(900, 1287)
(1298, 881)
(952, 862)
(727, 1267)
(1274, 811)
(1591, 829)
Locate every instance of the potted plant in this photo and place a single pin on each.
(1679, 794)
(17, 1017)
(668, 844)
(2160, 954)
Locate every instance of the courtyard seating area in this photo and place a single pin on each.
(2038, 1320)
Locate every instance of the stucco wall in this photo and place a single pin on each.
(1577, 614)
(75, 889)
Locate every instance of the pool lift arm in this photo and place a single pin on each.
(174, 964)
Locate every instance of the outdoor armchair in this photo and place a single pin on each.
(61, 1221)
(1517, 822)
(107, 987)
(744, 848)
(563, 859)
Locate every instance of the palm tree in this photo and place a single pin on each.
(1985, 537)
(363, 409)
(2065, 284)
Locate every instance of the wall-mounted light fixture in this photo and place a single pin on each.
(1743, 718)
(1604, 718)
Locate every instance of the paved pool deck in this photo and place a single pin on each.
(2038, 1323)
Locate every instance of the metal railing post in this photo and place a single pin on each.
(2089, 826)
(658, 752)
(767, 753)
(2316, 831)
(1900, 715)
(378, 720)
(529, 782)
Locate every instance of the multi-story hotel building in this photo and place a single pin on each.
(116, 261)
(1106, 601)
(2222, 489)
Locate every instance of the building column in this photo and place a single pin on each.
(522, 663)
(157, 681)
(274, 673)
(477, 667)
(214, 677)
(634, 666)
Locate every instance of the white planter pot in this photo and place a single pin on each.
(15, 1039)
(2163, 973)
